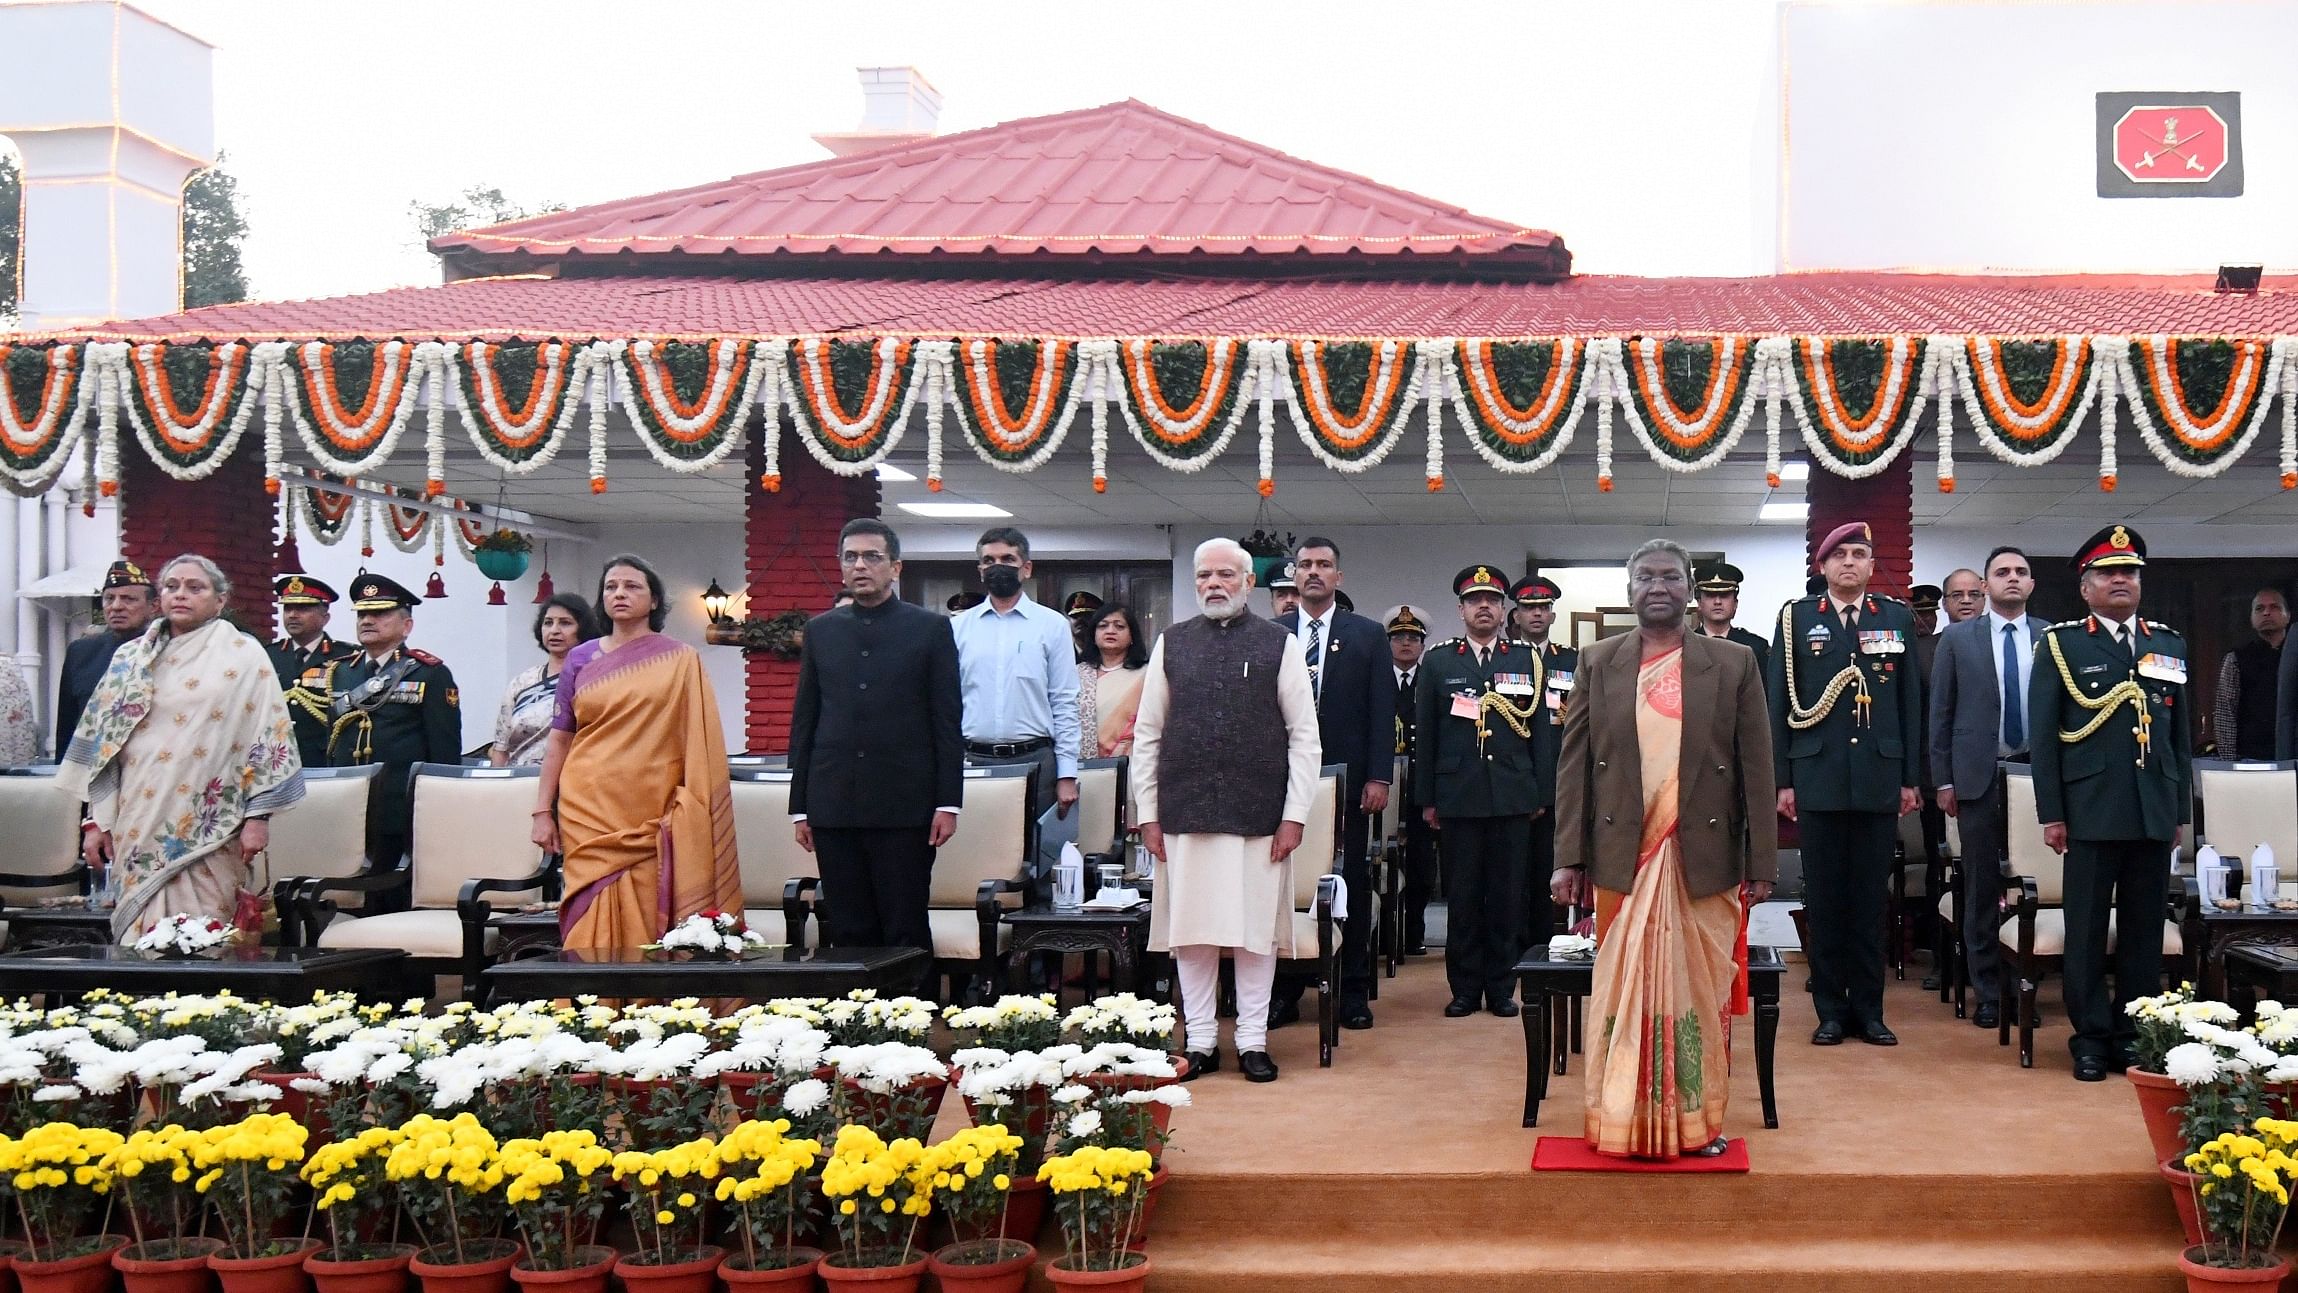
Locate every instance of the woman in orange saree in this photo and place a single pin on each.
(634, 787)
(1667, 966)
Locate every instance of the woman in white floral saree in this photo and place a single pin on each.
(182, 756)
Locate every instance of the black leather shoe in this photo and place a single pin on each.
(1284, 1012)
(1417, 949)
(2124, 1059)
(1459, 1008)
(2090, 1068)
(1256, 1066)
(1201, 1063)
(1829, 1033)
(1875, 1034)
(1987, 1016)
(1356, 1014)
(1503, 1007)
(1930, 983)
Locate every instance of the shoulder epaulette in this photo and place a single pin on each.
(2159, 626)
(2068, 624)
(1450, 642)
(422, 657)
(1886, 597)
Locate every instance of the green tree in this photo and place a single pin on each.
(11, 204)
(472, 209)
(213, 230)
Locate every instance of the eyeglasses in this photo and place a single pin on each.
(863, 558)
(1970, 595)
(1645, 579)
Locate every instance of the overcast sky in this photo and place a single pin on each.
(1631, 127)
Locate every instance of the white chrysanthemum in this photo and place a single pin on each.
(2192, 1064)
(1086, 1123)
(805, 1098)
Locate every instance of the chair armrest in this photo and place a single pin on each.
(316, 911)
(2030, 903)
(77, 875)
(798, 903)
(474, 911)
(1328, 900)
(989, 900)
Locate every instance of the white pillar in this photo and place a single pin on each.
(112, 111)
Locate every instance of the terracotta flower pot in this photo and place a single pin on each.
(698, 1273)
(796, 1277)
(2182, 1196)
(870, 1279)
(742, 1088)
(485, 1268)
(2159, 1100)
(1006, 1269)
(182, 1269)
(1127, 1279)
(2203, 1279)
(1160, 1115)
(280, 1272)
(386, 1272)
(1025, 1209)
(83, 1272)
(593, 1264)
(10, 1249)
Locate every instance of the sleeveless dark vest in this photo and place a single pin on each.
(2257, 665)
(1222, 767)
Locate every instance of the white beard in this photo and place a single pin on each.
(1222, 608)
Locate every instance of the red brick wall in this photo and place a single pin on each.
(226, 518)
(1886, 501)
(791, 541)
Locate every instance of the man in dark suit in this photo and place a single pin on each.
(1476, 778)
(1846, 723)
(129, 604)
(1423, 880)
(1978, 715)
(1716, 593)
(2113, 783)
(1349, 676)
(877, 762)
(1530, 620)
(300, 657)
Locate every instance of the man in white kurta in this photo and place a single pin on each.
(1225, 761)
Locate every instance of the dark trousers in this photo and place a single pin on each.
(1979, 823)
(2129, 881)
(1358, 938)
(1846, 874)
(874, 886)
(1539, 866)
(1484, 903)
(1423, 879)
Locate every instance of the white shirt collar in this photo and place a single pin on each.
(1996, 623)
(2122, 628)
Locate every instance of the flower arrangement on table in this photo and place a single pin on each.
(185, 936)
(2242, 1191)
(711, 934)
(553, 1185)
(880, 1193)
(1099, 1195)
(664, 1192)
(764, 1168)
(56, 1175)
(248, 1171)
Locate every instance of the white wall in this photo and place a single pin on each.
(1960, 136)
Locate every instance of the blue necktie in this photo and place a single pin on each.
(2014, 705)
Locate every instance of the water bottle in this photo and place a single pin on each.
(1069, 880)
(2265, 881)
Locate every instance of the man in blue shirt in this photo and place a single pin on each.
(1017, 671)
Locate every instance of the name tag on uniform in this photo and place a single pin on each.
(1466, 706)
(1512, 684)
(1881, 642)
(406, 693)
(2162, 668)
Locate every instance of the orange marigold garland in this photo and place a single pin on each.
(351, 400)
(1016, 400)
(850, 399)
(1184, 399)
(518, 398)
(1519, 399)
(2025, 397)
(1856, 399)
(2199, 402)
(43, 407)
(1350, 400)
(188, 403)
(1688, 398)
(689, 401)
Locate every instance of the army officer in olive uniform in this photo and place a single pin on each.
(1846, 714)
(392, 705)
(1715, 595)
(2108, 709)
(1476, 776)
(301, 657)
(1531, 619)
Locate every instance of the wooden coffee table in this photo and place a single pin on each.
(634, 972)
(265, 973)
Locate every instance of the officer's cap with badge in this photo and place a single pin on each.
(1404, 621)
(1080, 604)
(303, 590)
(1284, 576)
(2116, 545)
(1848, 533)
(1721, 577)
(380, 593)
(1924, 597)
(125, 574)
(1535, 590)
(1479, 579)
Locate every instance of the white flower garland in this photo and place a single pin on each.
(1603, 361)
(1264, 369)
(410, 544)
(320, 428)
(813, 353)
(108, 359)
(1220, 354)
(552, 359)
(58, 417)
(1819, 435)
(1042, 421)
(2286, 355)
(1434, 355)
(936, 395)
(1569, 351)
(1096, 366)
(1310, 408)
(599, 394)
(636, 362)
(1958, 361)
(2109, 357)
(1768, 354)
(202, 429)
(2127, 381)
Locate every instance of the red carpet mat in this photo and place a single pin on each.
(1571, 1154)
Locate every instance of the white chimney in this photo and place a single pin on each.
(898, 107)
(112, 111)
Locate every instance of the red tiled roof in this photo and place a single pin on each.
(1121, 180)
(1836, 304)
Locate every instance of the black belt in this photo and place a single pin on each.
(1006, 749)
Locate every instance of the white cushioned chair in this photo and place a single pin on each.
(2242, 805)
(778, 877)
(470, 839)
(1102, 794)
(322, 836)
(981, 871)
(1316, 911)
(39, 847)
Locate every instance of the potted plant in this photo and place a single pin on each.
(2160, 1022)
(1131, 1118)
(663, 1190)
(655, 1090)
(1098, 1194)
(55, 1174)
(1016, 1091)
(153, 1181)
(502, 553)
(553, 1185)
(880, 1194)
(450, 1175)
(248, 1169)
(766, 1167)
(2242, 1189)
(972, 1174)
(893, 1088)
(298, 1031)
(1011, 1023)
(768, 1057)
(354, 1195)
(2220, 1072)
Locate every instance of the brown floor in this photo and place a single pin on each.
(1937, 1164)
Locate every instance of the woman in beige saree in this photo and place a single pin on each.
(1109, 682)
(634, 781)
(182, 755)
